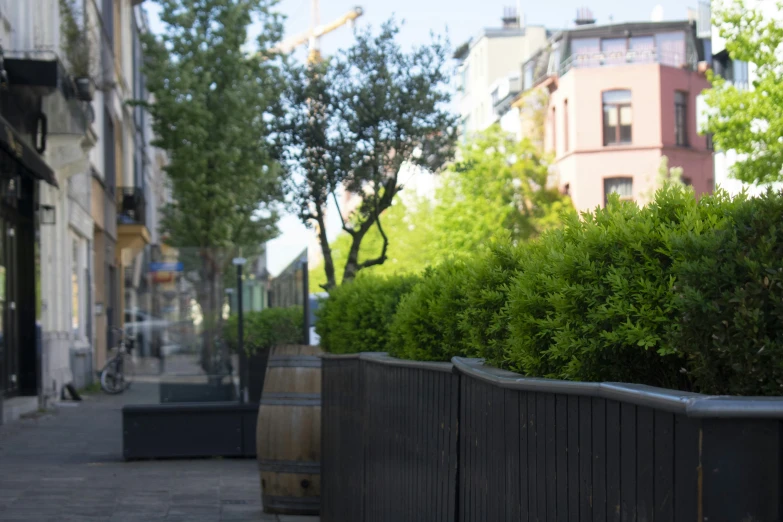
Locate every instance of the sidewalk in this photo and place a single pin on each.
(66, 466)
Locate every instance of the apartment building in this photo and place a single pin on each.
(494, 55)
(619, 97)
(79, 217)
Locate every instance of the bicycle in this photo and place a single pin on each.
(117, 373)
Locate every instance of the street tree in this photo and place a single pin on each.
(210, 114)
(750, 122)
(352, 123)
(498, 185)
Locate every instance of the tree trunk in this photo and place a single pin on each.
(326, 250)
(209, 301)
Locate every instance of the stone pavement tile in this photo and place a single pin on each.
(194, 511)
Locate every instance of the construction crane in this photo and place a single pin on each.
(313, 35)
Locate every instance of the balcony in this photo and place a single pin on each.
(504, 92)
(132, 232)
(615, 59)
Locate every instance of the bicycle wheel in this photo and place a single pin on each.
(127, 370)
(112, 378)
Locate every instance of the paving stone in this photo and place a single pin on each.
(66, 466)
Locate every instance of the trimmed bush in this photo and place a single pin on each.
(729, 285)
(594, 301)
(426, 325)
(680, 294)
(356, 315)
(267, 328)
(484, 323)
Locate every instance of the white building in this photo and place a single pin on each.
(109, 177)
(490, 63)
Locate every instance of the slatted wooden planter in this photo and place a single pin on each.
(539, 449)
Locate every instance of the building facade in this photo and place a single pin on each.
(73, 66)
(495, 55)
(619, 98)
(34, 39)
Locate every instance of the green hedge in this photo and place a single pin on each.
(356, 315)
(266, 328)
(426, 325)
(680, 293)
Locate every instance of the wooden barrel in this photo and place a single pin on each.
(288, 432)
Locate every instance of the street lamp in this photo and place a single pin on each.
(239, 262)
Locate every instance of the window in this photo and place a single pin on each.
(621, 186)
(681, 118)
(565, 125)
(671, 48)
(642, 49)
(617, 117)
(613, 50)
(554, 131)
(740, 73)
(75, 287)
(529, 67)
(495, 96)
(109, 152)
(585, 52)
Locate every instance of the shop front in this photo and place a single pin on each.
(21, 169)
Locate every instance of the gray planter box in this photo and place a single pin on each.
(189, 430)
(178, 392)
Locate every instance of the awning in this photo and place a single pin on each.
(27, 157)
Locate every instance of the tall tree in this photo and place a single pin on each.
(352, 123)
(211, 99)
(750, 122)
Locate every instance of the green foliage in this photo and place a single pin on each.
(426, 325)
(484, 323)
(210, 107)
(352, 123)
(266, 328)
(356, 315)
(679, 293)
(210, 113)
(594, 300)
(76, 38)
(729, 271)
(750, 122)
(498, 184)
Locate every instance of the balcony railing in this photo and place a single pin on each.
(131, 206)
(612, 59)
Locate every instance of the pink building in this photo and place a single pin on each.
(621, 97)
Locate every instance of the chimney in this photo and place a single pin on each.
(584, 16)
(510, 18)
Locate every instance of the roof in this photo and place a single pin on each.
(629, 27)
(500, 32)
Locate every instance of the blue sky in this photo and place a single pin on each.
(460, 19)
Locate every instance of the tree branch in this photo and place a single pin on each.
(382, 258)
(340, 213)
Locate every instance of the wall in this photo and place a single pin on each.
(491, 58)
(587, 162)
